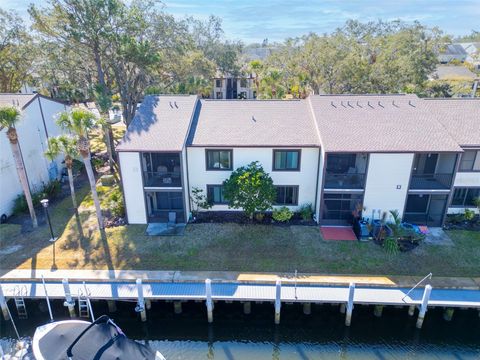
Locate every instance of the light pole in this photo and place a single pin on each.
(53, 239)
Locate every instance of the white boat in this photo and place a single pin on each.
(83, 340)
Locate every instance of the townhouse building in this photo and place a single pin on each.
(339, 153)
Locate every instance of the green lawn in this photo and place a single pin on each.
(233, 247)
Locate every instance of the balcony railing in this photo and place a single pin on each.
(431, 181)
(344, 181)
(162, 179)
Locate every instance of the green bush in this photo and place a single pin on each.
(49, 191)
(306, 212)
(283, 214)
(469, 215)
(115, 203)
(391, 245)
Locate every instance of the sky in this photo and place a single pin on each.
(255, 20)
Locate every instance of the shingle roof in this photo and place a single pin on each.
(379, 123)
(253, 123)
(460, 117)
(445, 72)
(454, 49)
(160, 124)
(19, 100)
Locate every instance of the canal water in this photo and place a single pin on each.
(321, 335)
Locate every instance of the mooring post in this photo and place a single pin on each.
(278, 301)
(307, 308)
(177, 307)
(209, 302)
(351, 292)
(3, 305)
(342, 308)
(411, 310)
(448, 314)
(112, 306)
(141, 301)
(378, 310)
(424, 306)
(247, 307)
(148, 304)
(69, 302)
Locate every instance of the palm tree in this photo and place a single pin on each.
(79, 122)
(104, 103)
(67, 146)
(9, 116)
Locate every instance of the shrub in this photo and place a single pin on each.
(283, 214)
(469, 215)
(306, 212)
(199, 201)
(391, 245)
(115, 203)
(49, 191)
(107, 180)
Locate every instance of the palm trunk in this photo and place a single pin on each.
(74, 201)
(91, 180)
(108, 140)
(22, 174)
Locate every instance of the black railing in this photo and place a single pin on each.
(344, 181)
(431, 181)
(162, 179)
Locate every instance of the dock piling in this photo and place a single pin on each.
(247, 307)
(3, 305)
(351, 292)
(448, 314)
(307, 308)
(141, 301)
(278, 301)
(378, 310)
(69, 302)
(177, 307)
(209, 302)
(112, 306)
(424, 306)
(411, 310)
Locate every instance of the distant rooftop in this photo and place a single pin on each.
(19, 100)
(454, 49)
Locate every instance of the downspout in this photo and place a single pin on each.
(475, 87)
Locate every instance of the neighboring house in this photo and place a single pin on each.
(336, 152)
(473, 53)
(233, 87)
(35, 127)
(452, 52)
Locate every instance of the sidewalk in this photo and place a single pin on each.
(465, 283)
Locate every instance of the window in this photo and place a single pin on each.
(218, 83)
(215, 195)
(243, 83)
(219, 95)
(465, 197)
(470, 161)
(243, 95)
(287, 195)
(219, 159)
(286, 160)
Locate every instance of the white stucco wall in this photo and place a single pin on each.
(306, 178)
(467, 179)
(133, 187)
(33, 143)
(385, 173)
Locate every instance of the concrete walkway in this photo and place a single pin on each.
(472, 283)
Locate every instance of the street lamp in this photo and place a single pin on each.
(53, 239)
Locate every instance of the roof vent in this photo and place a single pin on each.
(393, 103)
(170, 103)
(341, 102)
(176, 104)
(253, 119)
(380, 104)
(410, 103)
(358, 104)
(332, 104)
(368, 103)
(348, 103)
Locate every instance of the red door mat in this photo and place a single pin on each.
(337, 233)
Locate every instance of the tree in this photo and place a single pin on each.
(67, 146)
(17, 52)
(104, 102)
(250, 188)
(79, 122)
(9, 117)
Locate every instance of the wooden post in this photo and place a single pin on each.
(3, 305)
(209, 302)
(148, 304)
(448, 314)
(343, 308)
(378, 310)
(351, 292)
(278, 301)
(411, 310)
(112, 306)
(424, 306)
(307, 308)
(177, 307)
(247, 307)
(141, 301)
(69, 302)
